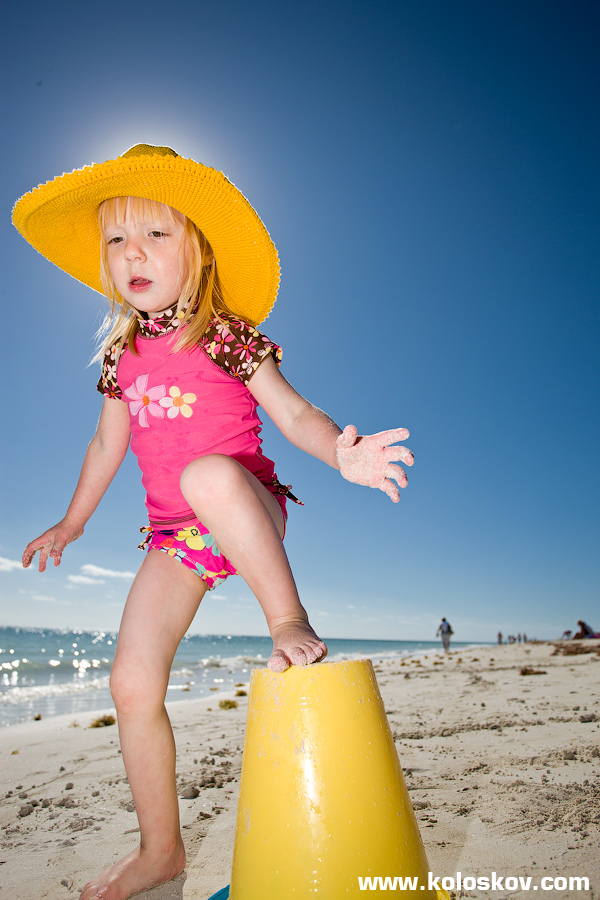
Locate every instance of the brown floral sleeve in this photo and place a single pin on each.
(107, 383)
(237, 347)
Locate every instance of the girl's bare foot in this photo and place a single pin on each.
(136, 872)
(294, 644)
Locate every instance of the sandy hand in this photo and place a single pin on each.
(369, 459)
(51, 544)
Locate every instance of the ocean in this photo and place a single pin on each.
(50, 673)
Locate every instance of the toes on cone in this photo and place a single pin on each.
(322, 796)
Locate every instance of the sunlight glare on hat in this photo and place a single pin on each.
(109, 143)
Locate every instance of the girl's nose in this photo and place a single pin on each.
(133, 250)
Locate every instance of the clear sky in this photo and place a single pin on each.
(429, 173)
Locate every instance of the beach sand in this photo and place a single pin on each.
(502, 769)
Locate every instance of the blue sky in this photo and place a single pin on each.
(429, 174)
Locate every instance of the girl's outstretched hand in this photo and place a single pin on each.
(51, 543)
(369, 459)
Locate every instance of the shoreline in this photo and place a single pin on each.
(502, 769)
(189, 681)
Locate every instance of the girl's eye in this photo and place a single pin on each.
(158, 234)
(114, 240)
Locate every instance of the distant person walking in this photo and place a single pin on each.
(445, 629)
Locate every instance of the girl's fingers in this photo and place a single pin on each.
(399, 454)
(388, 486)
(27, 557)
(348, 437)
(29, 552)
(391, 437)
(47, 549)
(56, 551)
(398, 474)
(44, 552)
(50, 544)
(390, 489)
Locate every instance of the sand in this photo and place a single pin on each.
(502, 769)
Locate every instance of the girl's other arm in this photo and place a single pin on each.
(364, 460)
(102, 459)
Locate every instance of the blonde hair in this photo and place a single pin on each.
(201, 298)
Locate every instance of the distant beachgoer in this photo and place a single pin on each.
(566, 635)
(584, 632)
(445, 629)
(499, 637)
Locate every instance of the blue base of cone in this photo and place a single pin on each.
(223, 894)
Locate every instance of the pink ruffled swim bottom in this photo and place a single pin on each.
(195, 547)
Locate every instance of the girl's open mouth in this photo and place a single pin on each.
(138, 284)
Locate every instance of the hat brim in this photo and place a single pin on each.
(60, 219)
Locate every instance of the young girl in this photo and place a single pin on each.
(191, 272)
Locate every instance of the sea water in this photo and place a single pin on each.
(48, 673)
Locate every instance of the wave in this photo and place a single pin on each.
(28, 693)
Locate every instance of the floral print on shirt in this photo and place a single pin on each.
(235, 346)
(178, 403)
(143, 400)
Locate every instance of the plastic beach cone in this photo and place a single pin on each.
(322, 797)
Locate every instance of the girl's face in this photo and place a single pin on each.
(145, 260)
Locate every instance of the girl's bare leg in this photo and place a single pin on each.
(246, 521)
(162, 602)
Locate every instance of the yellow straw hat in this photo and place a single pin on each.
(60, 219)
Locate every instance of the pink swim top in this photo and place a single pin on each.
(188, 404)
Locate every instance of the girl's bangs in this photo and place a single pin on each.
(117, 210)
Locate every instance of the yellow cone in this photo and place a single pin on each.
(322, 796)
